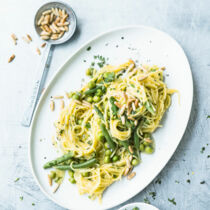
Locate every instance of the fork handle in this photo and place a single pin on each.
(39, 83)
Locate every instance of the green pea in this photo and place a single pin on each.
(79, 122)
(71, 174)
(52, 174)
(106, 145)
(106, 75)
(89, 71)
(108, 152)
(107, 159)
(85, 174)
(101, 136)
(146, 143)
(141, 147)
(76, 96)
(72, 180)
(90, 99)
(115, 158)
(149, 150)
(135, 162)
(91, 84)
(99, 92)
(96, 98)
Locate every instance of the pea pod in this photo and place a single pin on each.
(149, 107)
(63, 167)
(86, 164)
(98, 112)
(58, 160)
(113, 106)
(107, 137)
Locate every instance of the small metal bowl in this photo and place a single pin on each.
(72, 19)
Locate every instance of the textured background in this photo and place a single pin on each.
(187, 21)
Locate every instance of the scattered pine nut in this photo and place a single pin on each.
(29, 37)
(148, 140)
(12, 57)
(38, 51)
(163, 68)
(52, 105)
(58, 185)
(130, 176)
(58, 97)
(45, 37)
(14, 38)
(126, 171)
(130, 149)
(49, 180)
(62, 104)
(25, 40)
(43, 45)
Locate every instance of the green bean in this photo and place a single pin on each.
(58, 160)
(125, 144)
(91, 91)
(86, 164)
(63, 167)
(107, 137)
(98, 112)
(113, 107)
(149, 107)
(136, 142)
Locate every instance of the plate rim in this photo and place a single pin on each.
(60, 69)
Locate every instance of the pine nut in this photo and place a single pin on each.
(12, 57)
(130, 176)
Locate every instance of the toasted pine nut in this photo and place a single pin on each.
(61, 34)
(62, 28)
(136, 103)
(130, 149)
(60, 12)
(43, 45)
(58, 97)
(163, 68)
(25, 40)
(62, 104)
(58, 185)
(46, 27)
(51, 17)
(66, 24)
(148, 140)
(128, 163)
(53, 29)
(45, 33)
(54, 37)
(130, 176)
(122, 109)
(14, 38)
(49, 180)
(47, 19)
(38, 51)
(45, 37)
(126, 171)
(52, 105)
(133, 107)
(142, 78)
(12, 57)
(40, 20)
(123, 119)
(47, 12)
(63, 12)
(29, 37)
(66, 28)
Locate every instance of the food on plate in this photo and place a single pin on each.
(108, 123)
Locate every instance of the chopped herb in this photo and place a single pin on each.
(188, 181)
(16, 180)
(146, 200)
(158, 181)
(87, 125)
(208, 116)
(33, 204)
(203, 182)
(109, 76)
(89, 48)
(117, 46)
(172, 200)
(21, 198)
(122, 37)
(61, 132)
(93, 63)
(177, 182)
(153, 194)
(84, 61)
(202, 149)
(132, 85)
(208, 156)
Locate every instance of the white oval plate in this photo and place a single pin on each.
(141, 43)
(141, 206)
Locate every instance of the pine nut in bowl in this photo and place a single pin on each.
(55, 22)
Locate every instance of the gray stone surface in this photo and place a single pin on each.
(187, 21)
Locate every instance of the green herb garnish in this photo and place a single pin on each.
(146, 200)
(16, 180)
(172, 200)
(203, 182)
(21, 198)
(89, 48)
(203, 149)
